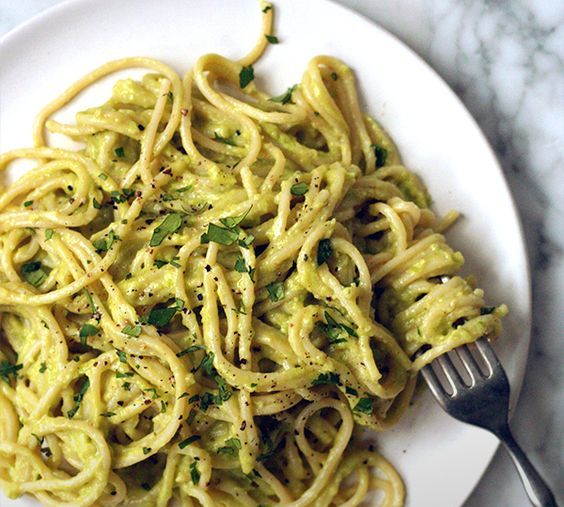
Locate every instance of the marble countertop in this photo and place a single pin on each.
(506, 62)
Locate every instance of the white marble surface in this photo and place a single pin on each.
(506, 61)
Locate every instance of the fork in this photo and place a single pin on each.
(482, 399)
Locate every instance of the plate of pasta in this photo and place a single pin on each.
(231, 233)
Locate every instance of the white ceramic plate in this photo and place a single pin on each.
(440, 459)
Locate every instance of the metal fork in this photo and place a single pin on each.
(482, 399)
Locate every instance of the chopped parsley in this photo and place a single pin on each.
(364, 405)
(285, 97)
(231, 447)
(168, 226)
(104, 244)
(275, 291)
(132, 330)
(246, 75)
(90, 300)
(79, 397)
(119, 151)
(87, 330)
(122, 356)
(381, 155)
(194, 473)
(299, 189)
(126, 374)
(272, 39)
(162, 262)
(188, 441)
(96, 204)
(33, 273)
(28, 203)
(48, 234)
(351, 391)
(107, 414)
(43, 368)
(7, 369)
(160, 317)
(146, 450)
(335, 331)
(324, 251)
(241, 267)
(192, 348)
(234, 222)
(223, 140)
(267, 8)
(220, 235)
(486, 310)
(327, 379)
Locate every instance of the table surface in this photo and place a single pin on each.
(505, 60)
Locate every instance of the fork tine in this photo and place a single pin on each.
(433, 382)
(469, 363)
(488, 355)
(454, 378)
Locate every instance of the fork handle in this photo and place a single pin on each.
(537, 490)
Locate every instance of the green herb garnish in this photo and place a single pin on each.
(299, 189)
(324, 251)
(132, 330)
(231, 447)
(223, 140)
(327, 379)
(364, 405)
(79, 397)
(272, 39)
(7, 369)
(49, 234)
(120, 152)
(33, 273)
(246, 75)
(122, 356)
(168, 226)
(192, 348)
(27, 203)
(194, 473)
(381, 155)
(87, 330)
(188, 441)
(275, 291)
(285, 97)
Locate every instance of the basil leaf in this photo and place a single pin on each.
(324, 251)
(168, 226)
(299, 189)
(275, 291)
(285, 97)
(246, 75)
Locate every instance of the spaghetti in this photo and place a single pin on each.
(209, 299)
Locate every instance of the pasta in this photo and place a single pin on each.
(206, 302)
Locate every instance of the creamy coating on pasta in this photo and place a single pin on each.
(206, 302)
